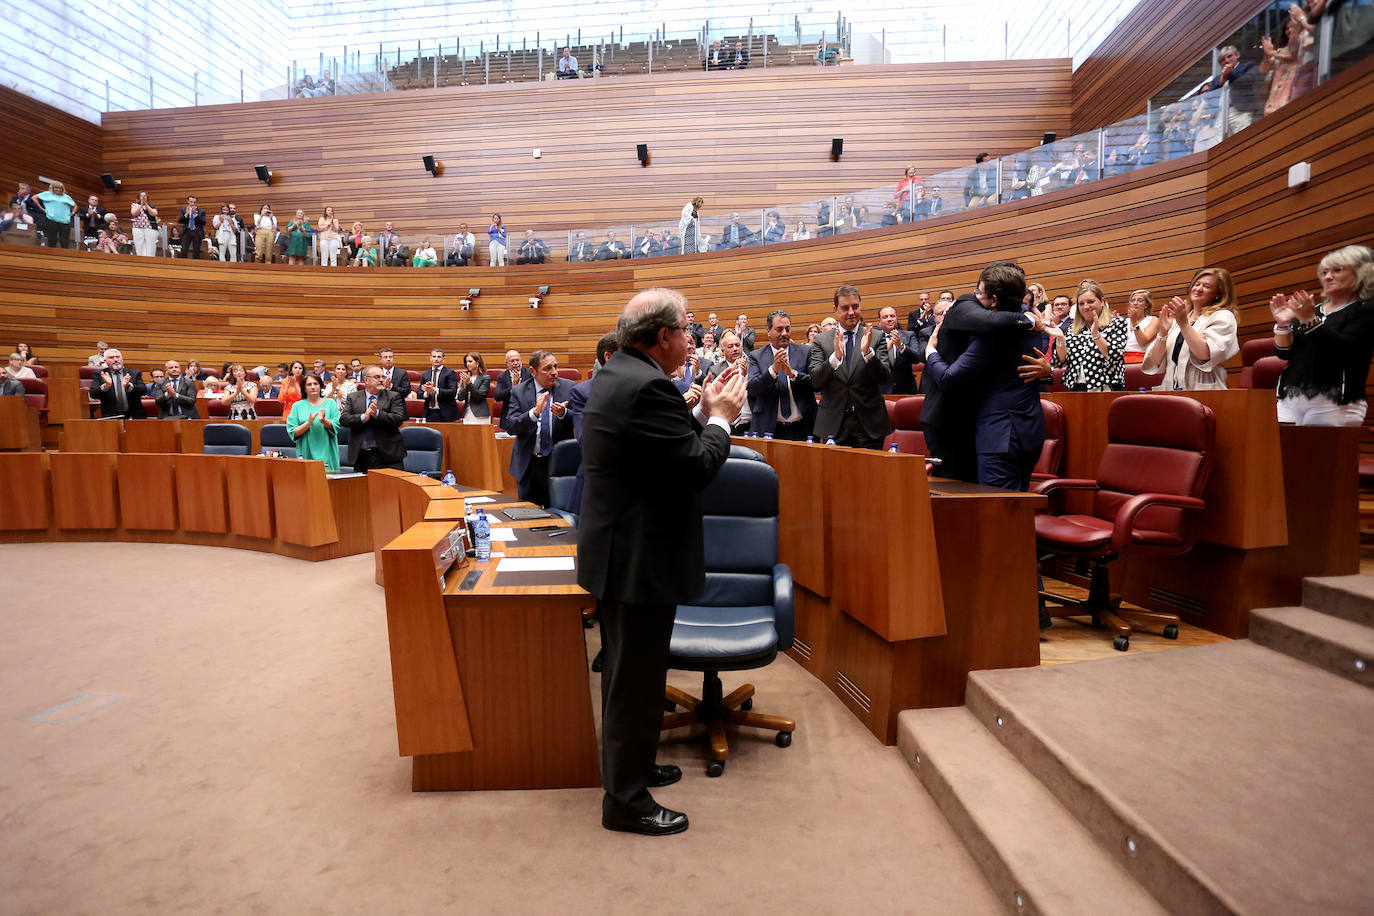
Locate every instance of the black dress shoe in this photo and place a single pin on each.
(600, 661)
(664, 775)
(661, 822)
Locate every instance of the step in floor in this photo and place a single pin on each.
(1339, 646)
(1252, 770)
(1348, 597)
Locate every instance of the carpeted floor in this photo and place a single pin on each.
(191, 729)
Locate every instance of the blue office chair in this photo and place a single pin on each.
(564, 492)
(740, 451)
(342, 433)
(227, 439)
(743, 617)
(274, 437)
(424, 451)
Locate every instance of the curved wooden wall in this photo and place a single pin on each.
(756, 139)
(43, 140)
(1153, 228)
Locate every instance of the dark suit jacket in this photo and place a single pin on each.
(577, 402)
(193, 222)
(385, 426)
(474, 394)
(503, 386)
(900, 365)
(522, 426)
(1007, 416)
(446, 390)
(857, 381)
(400, 381)
(734, 235)
(134, 394)
(765, 392)
(914, 321)
(581, 251)
(644, 463)
(185, 388)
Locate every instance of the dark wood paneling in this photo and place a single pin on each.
(1156, 41)
(43, 140)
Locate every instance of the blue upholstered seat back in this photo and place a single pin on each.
(740, 528)
(274, 437)
(424, 449)
(227, 439)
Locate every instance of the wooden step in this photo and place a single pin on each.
(1348, 597)
(1331, 643)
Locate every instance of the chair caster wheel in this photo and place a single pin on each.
(599, 662)
(784, 739)
(715, 768)
(1121, 643)
(747, 704)
(1171, 632)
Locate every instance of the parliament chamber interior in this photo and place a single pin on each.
(241, 682)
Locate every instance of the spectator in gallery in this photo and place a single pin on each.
(671, 243)
(226, 229)
(1244, 78)
(774, 231)
(305, 87)
(649, 245)
(17, 219)
(325, 84)
(611, 249)
(105, 244)
(354, 240)
(24, 197)
(496, 240)
(532, 250)
(906, 188)
(298, 238)
(802, 233)
(367, 254)
(389, 245)
(30, 358)
(734, 235)
(689, 226)
(330, 238)
(581, 250)
(716, 59)
(739, 58)
(240, 394)
(461, 249)
(92, 218)
(192, 228)
(58, 208)
(980, 189)
(595, 65)
(264, 234)
(1205, 130)
(1292, 68)
(314, 423)
(425, 255)
(567, 66)
(891, 215)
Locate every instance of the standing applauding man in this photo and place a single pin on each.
(374, 416)
(640, 551)
(848, 367)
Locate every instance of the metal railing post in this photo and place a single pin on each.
(150, 89)
(1225, 109)
(1101, 152)
(486, 69)
(999, 180)
(1325, 34)
(195, 88)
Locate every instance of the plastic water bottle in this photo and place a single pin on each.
(810, 440)
(449, 479)
(893, 448)
(767, 435)
(481, 530)
(829, 440)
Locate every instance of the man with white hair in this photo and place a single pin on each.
(119, 390)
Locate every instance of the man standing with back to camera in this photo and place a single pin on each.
(640, 553)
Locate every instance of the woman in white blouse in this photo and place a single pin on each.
(689, 225)
(1141, 325)
(330, 238)
(1197, 335)
(264, 235)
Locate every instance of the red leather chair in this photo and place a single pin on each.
(268, 407)
(1052, 452)
(573, 374)
(250, 375)
(149, 408)
(86, 373)
(1138, 380)
(906, 421)
(413, 376)
(891, 405)
(214, 407)
(1266, 371)
(1251, 352)
(40, 371)
(36, 395)
(415, 408)
(1057, 379)
(1147, 498)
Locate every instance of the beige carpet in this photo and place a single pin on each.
(228, 745)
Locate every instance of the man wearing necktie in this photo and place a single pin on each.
(439, 388)
(848, 365)
(176, 395)
(119, 390)
(781, 399)
(374, 415)
(539, 419)
(192, 228)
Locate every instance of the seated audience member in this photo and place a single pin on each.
(119, 390)
(461, 249)
(774, 231)
(531, 250)
(595, 66)
(17, 219)
(739, 58)
(353, 242)
(891, 215)
(474, 384)
(425, 255)
(389, 245)
(92, 218)
(313, 423)
(1141, 325)
(30, 358)
(1328, 344)
(367, 254)
(290, 390)
(802, 233)
(10, 387)
(512, 377)
(980, 188)
(24, 198)
(671, 243)
(439, 390)
(17, 369)
(708, 352)
(305, 87)
(1205, 323)
(116, 235)
(734, 235)
(97, 359)
(1087, 168)
(567, 66)
(649, 245)
(374, 416)
(341, 384)
(239, 394)
(325, 84)
(610, 249)
(105, 244)
(581, 250)
(538, 419)
(715, 59)
(1093, 351)
(175, 395)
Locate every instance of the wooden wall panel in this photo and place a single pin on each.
(1156, 41)
(761, 138)
(43, 140)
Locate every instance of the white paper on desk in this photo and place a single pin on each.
(534, 564)
(474, 500)
(503, 534)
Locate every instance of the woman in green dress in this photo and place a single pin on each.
(314, 424)
(298, 233)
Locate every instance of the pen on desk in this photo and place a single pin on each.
(559, 534)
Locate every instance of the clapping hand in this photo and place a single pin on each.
(839, 343)
(1304, 306)
(1281, 307)
(781, 364)
(692, 395)
(371, 410)
(559, 408)
(894, 341)
(866, 342)
(540, 404)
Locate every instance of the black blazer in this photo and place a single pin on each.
(474, 394)
(446, 389)
(765, 391)
(133, 395)
(400, 381)
(581, 251)
(185, 388)
(520, 425)
(194, 222)
(645, 463)
(385, 426)
(503, 387)
(900, 364)
(858, 381)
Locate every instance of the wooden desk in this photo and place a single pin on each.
(278, 506)
(92, 436)
(19, 429)
(490, 683)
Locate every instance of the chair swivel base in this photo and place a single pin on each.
(1106, 611)
(714, 711)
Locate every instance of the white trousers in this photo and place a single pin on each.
(498, 254)
(228, 246)
(145, 242)
(329, 252)
(1319, 411)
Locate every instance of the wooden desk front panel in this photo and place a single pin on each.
(804, 534)
(84, 491)
(470, 451)
(19, 429)
(160, 436)
(300, 502)
(25, 492)
(92, 436)
(248, 485)
(147, 492)
(201, 494)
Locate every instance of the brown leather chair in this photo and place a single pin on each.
(574, 375)
(1251, 352)
(1266, 371)
(268, 407)
(906, 422)
(1052, 452)
(1138, 380)
(1147, 498)
(415, 408)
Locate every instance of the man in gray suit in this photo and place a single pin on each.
(175, 395)
(848, 366)
(901, 354)
(732, 354)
